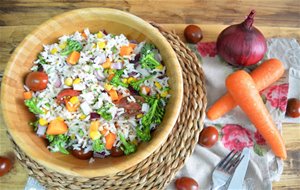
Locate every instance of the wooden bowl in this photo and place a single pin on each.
(17, 116)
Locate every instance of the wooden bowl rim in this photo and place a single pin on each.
(140, 154)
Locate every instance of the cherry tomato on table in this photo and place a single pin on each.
(186, 183)
(36, 80)
(193, 34)
(208, 136)
(293, 108)
(5, 165)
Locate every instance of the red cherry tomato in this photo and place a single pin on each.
(116, 152)
(293, 108)
(81, 155)
(193, 34)
(5, 165)
(66, 92)
(186, 183)
(36, 81)
(208, 136)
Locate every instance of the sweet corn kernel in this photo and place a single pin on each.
(77, 81)
(131, 79)
(73, 137)
(60, 118)
(101, 45)
(62, 45)
(160, 67)
(164, 93)
(43, 121)
(95, 135)
(125, 81)
(111, 71)
(68, 81)
(158, 85)
(99, 34)
(93, 46)
(53, 51)
(74, 100)
(135, 142)
(82, 117)
(107, 86)
(138, 116)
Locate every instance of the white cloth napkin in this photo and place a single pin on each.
(264, 167)
(262, 170)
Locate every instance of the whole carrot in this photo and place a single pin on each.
(243, 90)
(264, 75)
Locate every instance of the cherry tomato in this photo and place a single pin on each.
(36, 81)
(186, 183)
(5, 165)
(208, 136)
(293, 108)
(66, 92)
(193, 34)
(81, 155)
(116, 152)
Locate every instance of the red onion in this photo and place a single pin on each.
(242, 44)
(41, 130)
(117, 65)
(94, 115)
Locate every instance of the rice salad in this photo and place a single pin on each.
(96, 94)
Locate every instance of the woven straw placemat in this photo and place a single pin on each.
(158, 169)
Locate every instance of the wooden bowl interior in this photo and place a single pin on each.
(17, 116)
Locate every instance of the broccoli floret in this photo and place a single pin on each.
(144, 133)
(32, 106)
(34, 124)
(98, 145)
(136, 84)
(103, 111)
(59, 141)
(127, 147)
(72, 45)
(147, 59)
(116, 80)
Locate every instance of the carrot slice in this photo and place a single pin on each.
(94, 125)
(106, 64)
(57, 127)
(110, 139)
(126, 50)
(73, 57)
(243, 90)
(132, 45)
(113, 95)
(27, 95)
(83, 34)
(264, 75)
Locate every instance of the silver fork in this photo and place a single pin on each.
(225, 169)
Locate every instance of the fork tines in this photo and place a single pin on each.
(230, 162)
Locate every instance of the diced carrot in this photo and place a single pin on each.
(106, 64)
(70, 106)
(103, 131)
(113, 94)
(132, 45)
(73, 57)
(83, 34)
(125, 50)
(95, 125)
(110, 139)
(110, 77)
(57, 127)
(264, 75)
(27, 95)
(244, 92)
(145, 90)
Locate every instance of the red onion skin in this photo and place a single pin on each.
(242, 44)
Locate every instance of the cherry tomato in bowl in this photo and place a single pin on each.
(186, 183)
(36, 80)
(208, 136)
(293, 108)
